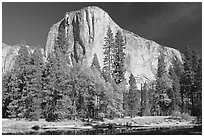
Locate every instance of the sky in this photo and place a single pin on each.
(169, 24)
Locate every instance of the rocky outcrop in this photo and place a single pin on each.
(85, 31)
(9, 54)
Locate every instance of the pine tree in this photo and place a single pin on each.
(27, 85)
(161, 100)
(175, 95)
(187, 80)
(95, 63)
(108, 46)
(76, 96)
(53, 91)
(145, 110)
(198, 89)
(20, 82)
(119, 90)
(134, 97)
(119, 58)
(34, 112)
(160, 88)
(66, 100)
(85, 91)
(194, 86)
(152, 102)
(190, 82)
(6, 94)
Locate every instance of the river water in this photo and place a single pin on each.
(197, 130)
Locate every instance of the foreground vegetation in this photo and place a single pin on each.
(22, 126)
(55, 91)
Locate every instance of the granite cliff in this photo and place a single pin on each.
(84, 34)
(9, 54)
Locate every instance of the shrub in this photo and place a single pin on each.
(101, 116)
(186, 116)
(176, 114)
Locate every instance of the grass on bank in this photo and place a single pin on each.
(13, 125)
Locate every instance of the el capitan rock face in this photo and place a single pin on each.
(84, 36)
(85, 31)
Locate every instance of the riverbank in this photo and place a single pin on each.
(12, 126)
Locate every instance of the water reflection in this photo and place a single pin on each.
(197, 130)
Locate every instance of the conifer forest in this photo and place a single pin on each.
(38, 88)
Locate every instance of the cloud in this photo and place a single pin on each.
(158, 24)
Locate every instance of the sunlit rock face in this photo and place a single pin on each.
(9, 54)
(84, 34)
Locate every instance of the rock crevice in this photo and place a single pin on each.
(85, 31)
(89, 26)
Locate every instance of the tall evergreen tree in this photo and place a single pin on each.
(162, 84)
(134, 97)
(52, 90)
(6, 94)
(198, 89)
(191, 83)
(187, 80)
(194, 86)
(27, 74)
(152, 103)
(32, 87)
(108, 46)
(95, 63)
(36, 82)
(20, 82)
(119, 58)
(86, 92)
(175, 95)
(145, 110)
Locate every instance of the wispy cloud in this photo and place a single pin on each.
(155, 26)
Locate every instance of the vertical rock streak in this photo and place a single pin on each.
(89, 27)
(93, 31)
(85, 31)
